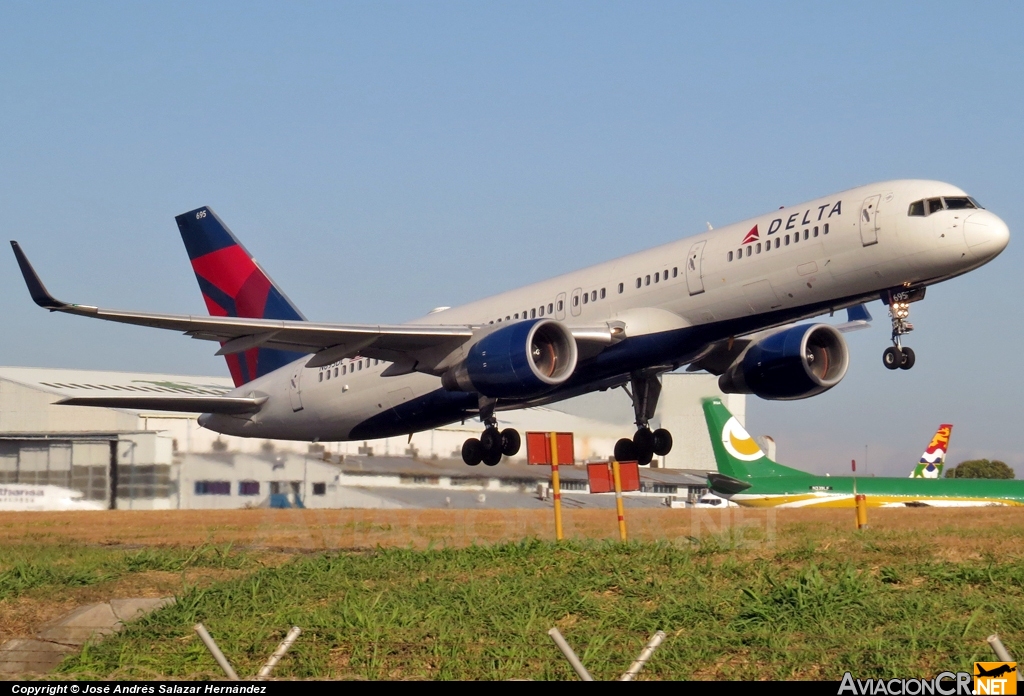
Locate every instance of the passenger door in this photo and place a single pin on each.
(295, 389)
(694, 281)
(869, 220)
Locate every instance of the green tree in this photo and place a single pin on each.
(981, 468)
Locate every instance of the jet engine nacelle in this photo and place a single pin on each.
(795, 363)
(520, 360)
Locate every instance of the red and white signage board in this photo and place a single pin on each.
(600, 477)
(538, 448)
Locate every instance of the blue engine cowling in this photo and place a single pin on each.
(795, 363)
(516, 361)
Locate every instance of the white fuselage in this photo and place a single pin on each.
(672, 300)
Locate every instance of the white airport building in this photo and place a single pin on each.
(129, 459)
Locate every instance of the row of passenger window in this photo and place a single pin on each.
(779, 241)
(351, 366)
(533, 313)
(658, 277)
(934, 205)
(586, 297)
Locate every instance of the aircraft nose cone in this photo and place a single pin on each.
(986, 235)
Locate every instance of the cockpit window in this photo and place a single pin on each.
(934, 205)
(959, 203)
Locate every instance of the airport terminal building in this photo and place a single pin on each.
(154, 460)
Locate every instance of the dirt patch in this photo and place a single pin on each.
(992, 530)
(23, 615)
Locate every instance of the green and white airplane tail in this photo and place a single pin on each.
(736, 453)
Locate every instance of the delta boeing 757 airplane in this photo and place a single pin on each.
(724, 301)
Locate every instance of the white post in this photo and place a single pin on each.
(652, 645)
(215, 651)
(1001, 652)
(577, 666)
(278, 654)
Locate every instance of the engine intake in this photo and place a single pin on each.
(795, 363)
(516, 361)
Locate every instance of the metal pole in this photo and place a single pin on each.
(278, 654)
(577, 666)
(215, 651)
(652, 645)
(618, 499)
(1000, 651)
(556, 487)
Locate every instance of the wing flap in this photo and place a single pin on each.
(228, 405)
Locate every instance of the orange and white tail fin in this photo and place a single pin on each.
(934, 457)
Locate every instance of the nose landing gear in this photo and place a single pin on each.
(645, 443)
(897, 356)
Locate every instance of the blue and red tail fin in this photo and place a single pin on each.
(234, 285)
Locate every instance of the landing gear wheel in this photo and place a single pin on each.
(643, 442)
(892, 358)
(662, 442)
(492, 457)
(908, 359)
(490, 439)
(510, 442)
(472, 451)
(625, 451)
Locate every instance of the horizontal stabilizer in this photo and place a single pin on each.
(228, 405)
(720, 483)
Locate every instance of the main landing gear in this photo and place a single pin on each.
(492, 443)
(645, 444)
(898, 356)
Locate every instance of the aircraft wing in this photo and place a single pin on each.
(720, 355)
(229, 405)
(406, 345)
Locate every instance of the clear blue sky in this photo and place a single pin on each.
(380, 159)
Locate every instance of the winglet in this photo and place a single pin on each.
(39, 293)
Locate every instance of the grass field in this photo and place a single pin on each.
(471, 594)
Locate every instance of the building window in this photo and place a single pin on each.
(319, 488)
(248, 488)
(213, 488)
